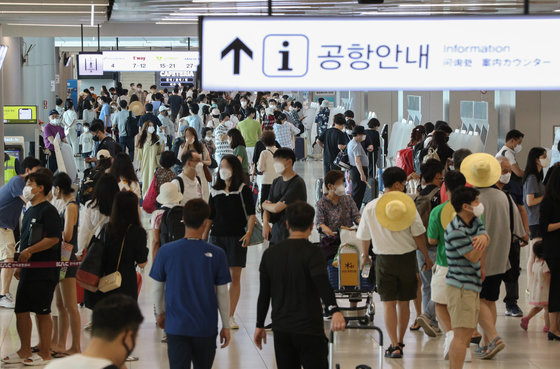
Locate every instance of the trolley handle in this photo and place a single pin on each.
(331, 338)
(331, 345)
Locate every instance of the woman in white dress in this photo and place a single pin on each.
(70, 119)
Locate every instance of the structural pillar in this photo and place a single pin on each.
(504, 102)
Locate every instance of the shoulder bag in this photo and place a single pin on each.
(113, 281)
(90, 269)
(256, 236)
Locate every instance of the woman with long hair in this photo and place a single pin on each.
(123, 170)
(65, 294)
(550, 230)
(192, 143)
(125, 239)
(232, 210)
(416, 136)
(237, 143)
(439, 145)
(88, 112)
(149, 148)
(70, 120)
(533, 195)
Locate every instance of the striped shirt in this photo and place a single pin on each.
(462, 273)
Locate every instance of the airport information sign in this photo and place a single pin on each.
(366, 53)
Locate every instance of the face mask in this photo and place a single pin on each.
(86, 130)
(273, 106)
(363, 138)
(518, 149)
(545, 163)
(291, 108)
(128, 349)
(151, 130)
(279, 168)
(340, 190)
(451, 167)
(28, 195)
(269, 111)
(349, 132)
(225, 174)
(243, 104)
(55, 121)
(95, 138)
(504, 178)
(478, 210)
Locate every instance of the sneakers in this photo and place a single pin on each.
(447, 345)
(514, 311)
(232, 323)
(7, 301)
(426, 324)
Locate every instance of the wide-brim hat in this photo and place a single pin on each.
(447, 214)
(169, 194)
(481, 170)
(395, 211)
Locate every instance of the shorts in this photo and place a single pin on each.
(439, 287)
(235, 252)
(535, 231)
(463, 307)
(35, 297)
(491, 287)
(7, 244)
(396, 276)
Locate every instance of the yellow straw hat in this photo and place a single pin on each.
(481, 170)
(395, 211)
(447, 214)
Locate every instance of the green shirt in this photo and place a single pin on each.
(436, 232)
(250, 130)
(242, 151)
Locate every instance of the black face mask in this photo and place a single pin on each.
(128, 349)
(95, 138)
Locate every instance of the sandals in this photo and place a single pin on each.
(415, 327)
(493, 348)
(13, 359)
(35, 360)
(59, 355)
(394, 352)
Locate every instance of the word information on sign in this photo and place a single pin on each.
(150, 61)
(429, 53)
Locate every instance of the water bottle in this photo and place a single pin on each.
(365, 270)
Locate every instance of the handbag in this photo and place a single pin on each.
(113, 281)
(256, 237)
(90, 269)
(329, 246)
(149, 203)
(342, 160)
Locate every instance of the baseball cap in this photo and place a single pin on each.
(163, 108)
(103, 154)
(54, 111)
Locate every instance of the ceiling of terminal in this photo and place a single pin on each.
(158, 17)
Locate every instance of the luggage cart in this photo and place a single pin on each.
(350, 287)
(332, 364)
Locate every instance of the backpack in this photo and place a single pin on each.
(424, 205)
(182, 184)
(431, 154)
(87, 185)
(404, 160)
(416, 155)
(172, 227)
(131, 127)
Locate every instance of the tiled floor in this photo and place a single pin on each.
(524, 349)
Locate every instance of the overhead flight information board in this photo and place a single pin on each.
(366, 53)
(150, 61)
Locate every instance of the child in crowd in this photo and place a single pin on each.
(86, 142)
(540, 285)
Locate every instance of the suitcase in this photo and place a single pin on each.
(300, 151)
(318, 189)
(332, 365)
(372, 191)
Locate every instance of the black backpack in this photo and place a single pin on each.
(172, 227)
(131, 127)
(85, 192)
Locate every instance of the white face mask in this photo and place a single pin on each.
(279, 168)
(27, 194)
(340, 190)
(545, 163)
(478, 210)
(86, 130)
(349, 132)
(243, 103)
(225, 173)
(504, 178)
(291, 108)
(55, 121)
(151, 130)
(518, 149)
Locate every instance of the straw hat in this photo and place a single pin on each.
(395, 211)
(481, 170)
(447, 214)
(169, 194)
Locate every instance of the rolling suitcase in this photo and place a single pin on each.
(300, 151)
(318, 189)
(332, 365)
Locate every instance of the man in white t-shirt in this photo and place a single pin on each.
(187, 181)
(115, 323)
(514, 138)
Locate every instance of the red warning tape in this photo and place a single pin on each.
(40, 264)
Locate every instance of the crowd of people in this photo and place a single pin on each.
(216, 174)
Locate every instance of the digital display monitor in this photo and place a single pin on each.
(20, 114)
(90, 64)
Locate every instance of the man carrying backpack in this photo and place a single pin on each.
(428, 198)
(127, 124)
(167, 222)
